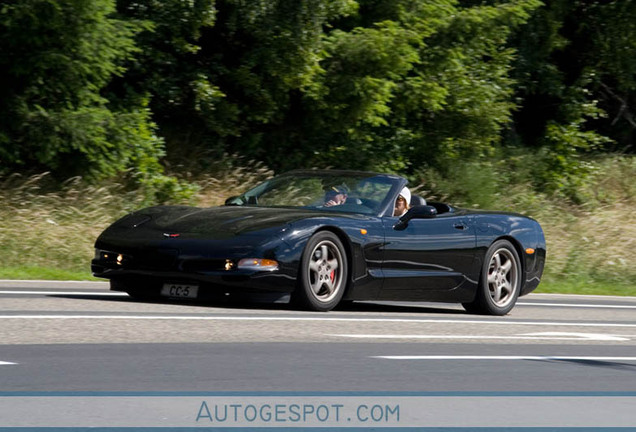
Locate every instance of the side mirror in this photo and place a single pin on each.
(233, 201)
(415, 212)
(240, 200)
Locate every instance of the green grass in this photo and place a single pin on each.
(586, 287)
(48, 231)
(44, 273)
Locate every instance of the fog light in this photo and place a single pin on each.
(258, 264)
(120, 258)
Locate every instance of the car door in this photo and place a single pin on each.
(430, 255)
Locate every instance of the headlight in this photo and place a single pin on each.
(111, 257)
(258, 264)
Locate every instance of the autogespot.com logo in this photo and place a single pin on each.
(307, 414)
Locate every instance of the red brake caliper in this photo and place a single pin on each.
(332, 275)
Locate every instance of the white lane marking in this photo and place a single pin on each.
(6, 363)
(122, 294)
(531, 336)
(414, 336)
(87, 293)
(574, 305)
(469, 357)
(324, 319)
(583, 336)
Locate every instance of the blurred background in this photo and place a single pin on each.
(107, 106)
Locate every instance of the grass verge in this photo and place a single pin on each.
(48, 232)
(585, 287)
(45, 273)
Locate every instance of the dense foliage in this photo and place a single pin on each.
(102, 87)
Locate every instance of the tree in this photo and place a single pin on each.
(221, 75)
(576, 85)
(370, 84)
(421, 85)
(57, 57)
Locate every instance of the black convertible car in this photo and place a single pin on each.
(321, 237)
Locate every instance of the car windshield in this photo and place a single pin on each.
(343, 192)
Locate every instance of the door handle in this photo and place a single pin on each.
(460, 226)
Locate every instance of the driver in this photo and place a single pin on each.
(335, 196)
(402, 202)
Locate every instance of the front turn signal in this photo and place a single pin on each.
(261, 264)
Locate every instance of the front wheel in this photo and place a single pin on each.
(323, 273)
(500, 281)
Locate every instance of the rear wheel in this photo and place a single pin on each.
(323, 273)
(500, 281)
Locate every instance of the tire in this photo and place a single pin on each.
(323, 273)
(499, 282)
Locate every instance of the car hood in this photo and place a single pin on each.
(218, 222)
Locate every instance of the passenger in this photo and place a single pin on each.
(402, 202)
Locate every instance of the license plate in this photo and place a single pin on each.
(179, 290)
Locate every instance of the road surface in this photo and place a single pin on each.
(78, 336)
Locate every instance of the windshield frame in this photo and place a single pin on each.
(385, 206)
